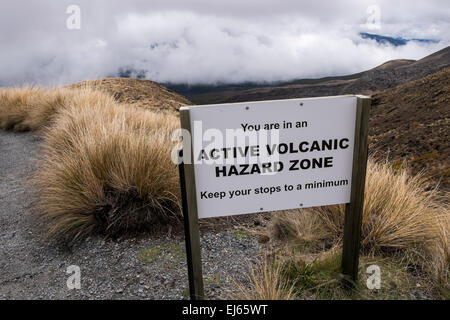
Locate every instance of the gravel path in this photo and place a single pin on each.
(141, 268)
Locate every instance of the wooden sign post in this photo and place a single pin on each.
(191, 230)
(354, 209)
(319, 159)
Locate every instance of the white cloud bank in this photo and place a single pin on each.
(206, 42)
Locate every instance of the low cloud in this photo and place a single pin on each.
(207, 43)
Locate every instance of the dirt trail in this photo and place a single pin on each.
(142, 268)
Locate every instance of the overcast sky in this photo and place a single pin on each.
(207, 41)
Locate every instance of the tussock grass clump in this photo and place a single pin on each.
(313, 276)
(32, 108)
(318, 276)
(398, 215)
(14, 106)
(266, 282)
(405, 232)
(106, 167)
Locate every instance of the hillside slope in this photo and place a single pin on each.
(144, 93)
(411, 122)
(385, 76)
(396, 74)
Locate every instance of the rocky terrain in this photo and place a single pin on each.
(410, 124)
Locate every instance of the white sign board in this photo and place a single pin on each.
(272, 155)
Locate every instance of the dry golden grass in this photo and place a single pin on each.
(143, 93)
(439, 253)
(398, 214)
(31, 108)
(266, 282)
(405, 231)
(318, 276)
(106, 167)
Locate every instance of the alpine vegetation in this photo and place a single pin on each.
(105, 166)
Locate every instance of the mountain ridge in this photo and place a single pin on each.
(387, 75)
(397, 41)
